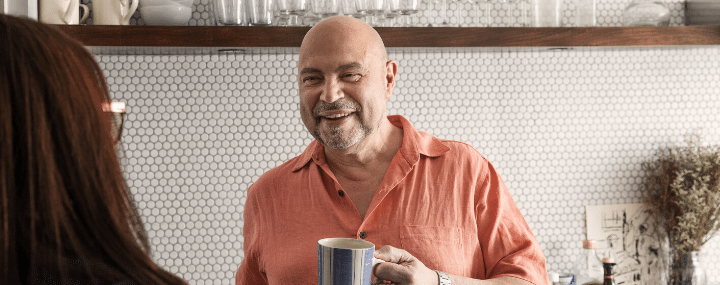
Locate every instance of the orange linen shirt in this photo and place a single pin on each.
(440, 200)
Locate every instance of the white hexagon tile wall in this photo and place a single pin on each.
(564, 127)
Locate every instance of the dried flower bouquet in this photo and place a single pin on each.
(681, 187)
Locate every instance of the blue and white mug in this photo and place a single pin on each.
(345, 261)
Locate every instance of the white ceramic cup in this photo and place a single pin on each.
(62, 12)
(113, 12)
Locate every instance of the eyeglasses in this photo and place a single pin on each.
(117, 119)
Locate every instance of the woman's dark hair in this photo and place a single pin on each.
(66, 214)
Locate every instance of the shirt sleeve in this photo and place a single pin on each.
(509, 246)
(250, 272)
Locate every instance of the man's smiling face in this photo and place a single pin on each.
(342, 85)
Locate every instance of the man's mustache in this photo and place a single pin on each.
(336, 105)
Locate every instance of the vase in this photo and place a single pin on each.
(687, 270)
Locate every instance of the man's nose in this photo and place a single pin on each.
(331, 91)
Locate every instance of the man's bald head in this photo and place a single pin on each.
(341, 33)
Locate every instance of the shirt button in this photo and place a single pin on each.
(341, 193)
(363, 235)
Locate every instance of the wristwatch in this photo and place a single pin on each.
(444, 278)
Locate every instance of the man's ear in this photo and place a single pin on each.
(390, 75)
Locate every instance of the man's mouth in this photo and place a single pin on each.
(337, 116)
(335, 111)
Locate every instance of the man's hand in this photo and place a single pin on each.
(402, 268)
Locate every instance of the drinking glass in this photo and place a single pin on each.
(477, 20)
(229, 12)
(371, 8)
(457, 11)
(443, 12)
(325, 8)
(546, 13)
(406, 8)
(389, 17)
(522, 5)
(278, 18)
(293, 9)
(349, 9)
(504, 22)
(310, 19)
(260, 12)
(487, 6)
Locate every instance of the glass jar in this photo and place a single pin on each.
(588, 268)
(687, 270)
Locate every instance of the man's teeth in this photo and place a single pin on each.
(337, 116)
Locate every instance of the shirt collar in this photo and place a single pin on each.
(415, 143)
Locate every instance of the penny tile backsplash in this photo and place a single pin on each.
(565, 128)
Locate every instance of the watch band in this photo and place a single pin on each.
(443, 277)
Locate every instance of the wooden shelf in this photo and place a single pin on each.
(215, 36)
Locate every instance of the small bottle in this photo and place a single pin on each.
(585, 15)
(608, 264)
(588, 268)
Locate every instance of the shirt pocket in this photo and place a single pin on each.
(439, 248)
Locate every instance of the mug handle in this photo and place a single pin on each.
(133, 7)
(85, 13)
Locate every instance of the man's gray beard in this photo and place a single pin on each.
(335, 139)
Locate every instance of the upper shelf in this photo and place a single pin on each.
(216, 36)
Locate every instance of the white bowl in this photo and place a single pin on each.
(153, 3)
(166, 15)
(184, 3)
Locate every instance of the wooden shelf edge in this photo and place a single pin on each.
(213, 36)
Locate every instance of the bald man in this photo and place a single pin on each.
(436, 209)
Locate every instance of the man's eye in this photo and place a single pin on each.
(309, 79)
(352, 76)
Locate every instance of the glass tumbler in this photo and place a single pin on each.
(546, 13)
(372, 9)
(350, 9)
(325, 8)
(294, 9)
(406, 8)
(260, 12)
(230, 12)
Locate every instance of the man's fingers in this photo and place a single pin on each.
(393, 272)
(399, 265)
(384, 253)
(392, 254)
